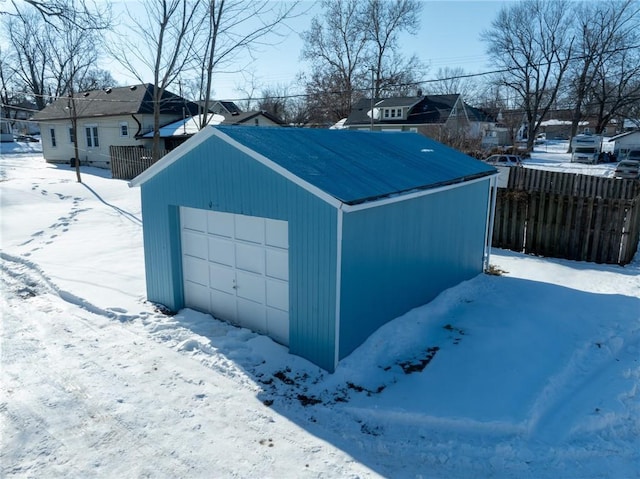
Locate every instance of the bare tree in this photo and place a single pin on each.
(603, 29)
(616, 89)
(352, 41)
(165, 48)
(84, 15)
(336, 47)
(6, 85)
(232, 28)
(74, 55)
(531, 42)
(280, 102)
(96, 79)
(30, 56)
(450, 81)
(387, 20)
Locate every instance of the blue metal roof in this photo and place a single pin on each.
(359, 166)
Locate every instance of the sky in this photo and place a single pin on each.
(530, 374)
(448, 37)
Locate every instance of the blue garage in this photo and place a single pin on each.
(314, 237)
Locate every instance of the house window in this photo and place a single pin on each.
(124, 128)
(72, 135)
(52, 132)
(393, 112)
(92, 136)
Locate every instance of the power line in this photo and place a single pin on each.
(332, 92)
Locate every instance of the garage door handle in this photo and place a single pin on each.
(235, 286)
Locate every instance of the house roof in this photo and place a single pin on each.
(625, 134)
(135, 99)
(189, 126)
(245, 116)
(221, 106)
(353, 167)
(186, 127)
(429, 109)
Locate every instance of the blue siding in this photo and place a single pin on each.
(216, 176)
(401, 255)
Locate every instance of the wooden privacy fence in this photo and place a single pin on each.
(127, 162)
(564, 215)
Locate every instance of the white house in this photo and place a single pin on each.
(114, 116)
(625, 142)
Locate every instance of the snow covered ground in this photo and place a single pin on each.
(531, 374)
(552, 155)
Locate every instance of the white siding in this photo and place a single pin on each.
(108, 133)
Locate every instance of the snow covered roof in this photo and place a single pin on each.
(554, 122)
(186, 127)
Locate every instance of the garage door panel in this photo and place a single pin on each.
(250, 228)
(196, 296)
(220, 224)
(253, 316)
(193, 219)
(278, 325)
(222, 278)
(221, 251)
(194, 244)
(195, 270)
(277, 233)
(250, 258)
(278, 295)
(277, 264)
(250, 286)
(223, 306)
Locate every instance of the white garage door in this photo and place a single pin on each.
(237, 268)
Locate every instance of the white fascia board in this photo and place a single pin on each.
(171, 157)
(338, 286)
(314, 190)
(412, 195)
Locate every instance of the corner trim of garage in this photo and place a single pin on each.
(338, 285)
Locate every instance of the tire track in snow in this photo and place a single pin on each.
(553, 417)
(30, 279)
(75, 405)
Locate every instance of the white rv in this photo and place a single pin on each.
(586, 148)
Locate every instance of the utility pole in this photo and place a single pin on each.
(372, 92)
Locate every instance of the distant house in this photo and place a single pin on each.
(178, 132)
(112, 117)
(223, 107)
(625, 142)
(631, 124)
(314, 237)
(19, 115)
(439, 117)
(6, 132)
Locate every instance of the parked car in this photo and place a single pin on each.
(633, 155)
(627, 169)
(504, 160)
